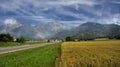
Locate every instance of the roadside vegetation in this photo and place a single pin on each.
(90, 54)
(8, 40)
(36, 57)
(7, 44)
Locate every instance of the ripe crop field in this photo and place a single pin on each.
(90, 54)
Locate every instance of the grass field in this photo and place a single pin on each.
(37, 57)
(90, 54)
(6, 44)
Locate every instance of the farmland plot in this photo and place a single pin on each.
(90, 54)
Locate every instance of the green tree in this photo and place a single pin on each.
(68, 38)
(9, 36)
(5, 39)
(21, 39)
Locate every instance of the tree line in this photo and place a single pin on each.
(8, 38)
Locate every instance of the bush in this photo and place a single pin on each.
(21, 39)
(68, 38)
(48, 40)
(5, 39)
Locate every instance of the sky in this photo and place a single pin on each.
(71, 12)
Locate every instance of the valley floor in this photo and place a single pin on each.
(68, 54)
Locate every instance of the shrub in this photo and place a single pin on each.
(5, 39)
(21, 39)
(68, 38)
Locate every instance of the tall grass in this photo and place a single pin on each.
(90, 54)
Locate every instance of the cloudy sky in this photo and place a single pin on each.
(72, 12)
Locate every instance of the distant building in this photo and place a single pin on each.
(76, 40)
(55, 40)
(14, 39)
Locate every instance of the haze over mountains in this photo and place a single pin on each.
(90, 30)
(40, 31)
(56, 30)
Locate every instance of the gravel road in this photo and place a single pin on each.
(18, 48)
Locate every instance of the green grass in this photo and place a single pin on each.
(37, 57)
(34, 42)
(6, 44)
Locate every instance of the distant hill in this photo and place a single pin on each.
(90, 30)
(40, 31)
(55, 30)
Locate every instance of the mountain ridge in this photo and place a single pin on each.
(56, 30)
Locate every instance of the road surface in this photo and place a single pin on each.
(18, 48)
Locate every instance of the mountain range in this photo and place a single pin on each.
(56, 30)
(90, 30)
(40, 31)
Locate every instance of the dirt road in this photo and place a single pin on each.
(18, 48)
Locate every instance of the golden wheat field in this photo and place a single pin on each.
(90, 54)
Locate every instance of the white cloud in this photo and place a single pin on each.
(71, 2)
(115, 19)
(73, 23)
(17, 4)
(11, 22)
(115, 2)
(22, 8)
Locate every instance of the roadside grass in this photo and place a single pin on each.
(6, 44)
(35, 42)
(90, 54)
(36, 57)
